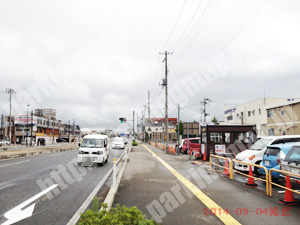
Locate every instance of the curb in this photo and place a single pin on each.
(110, 197)
(35, 153)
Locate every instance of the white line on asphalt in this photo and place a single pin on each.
(6, 186)
(18, 213)
(57, 154)
(12, 158)
(14, 163)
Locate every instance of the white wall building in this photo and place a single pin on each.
(253, 112)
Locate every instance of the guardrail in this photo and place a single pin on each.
(280, 171)
(255, 165)
(221, 157)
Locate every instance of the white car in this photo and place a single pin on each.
(255, 154)
(118, 143)
(93, 150)
(4, 142)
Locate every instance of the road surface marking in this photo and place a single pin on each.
(6, 186)
(223, 216)
(18, 213)
(14, 163)
(57, 154)
(198, 162)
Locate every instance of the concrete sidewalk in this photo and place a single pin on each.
(149, 182)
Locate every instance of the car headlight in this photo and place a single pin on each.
(100, 153)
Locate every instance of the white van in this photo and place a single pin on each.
(93, 150)
(255, 154)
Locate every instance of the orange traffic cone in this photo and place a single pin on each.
(288, 196)
(204, 156)
(156, 145)
(251, 182)
(226, 170)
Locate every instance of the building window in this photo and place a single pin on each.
(249, 113)
(253, 112)
(282, 112)
(270, 113)
(216, 137)
(237, 115)
(227, 138)
(259, 111)
(271, 132)
(283, 132)
(229, 117)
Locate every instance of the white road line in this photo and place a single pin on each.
(57, 154)
(14, 163)
(12, 158)
(19, 213)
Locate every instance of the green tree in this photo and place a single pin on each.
(180, 127)
(214, 120)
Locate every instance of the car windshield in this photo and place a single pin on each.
(293, 155)
(92, 143)
(195, 141)
(260, 144)
(118, 140)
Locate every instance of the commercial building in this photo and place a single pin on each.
(284, 119)
(34, 127)
(46, 113)
(252, 113)
(155, 129)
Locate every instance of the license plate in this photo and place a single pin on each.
(296, 171)
(267, 163)
(94, 158)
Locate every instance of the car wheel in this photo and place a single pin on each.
(256, 169)
(106, 159)
(101, 164)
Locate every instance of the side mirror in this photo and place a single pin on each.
(78, 144)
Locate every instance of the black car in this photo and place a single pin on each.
(58, 140)
(41, 141)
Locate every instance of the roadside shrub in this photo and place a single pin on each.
(134, 143)
(5, 149)
(118, 215)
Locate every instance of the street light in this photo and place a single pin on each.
(27, 126)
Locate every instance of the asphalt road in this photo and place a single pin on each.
(23, 178)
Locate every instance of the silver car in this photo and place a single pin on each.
(291, 163)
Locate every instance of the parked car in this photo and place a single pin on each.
(93, 150)
(291, 163)
(118, 142)
(58, 140)
(194, 146)
(255, 154)
(4, 142)
(273, 157)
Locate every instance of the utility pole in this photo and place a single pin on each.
(31, 125)
(165, 84)
(27, 130)
(178, 129)
(2, 127)
(133, 125)
(205, 102)
(69, 130)
(10, 92)
(149, 106)
(137, 123)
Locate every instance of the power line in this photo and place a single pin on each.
(188, 25)
(175, 24)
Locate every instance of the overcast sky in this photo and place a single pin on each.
(94, 61)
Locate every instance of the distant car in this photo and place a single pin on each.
(58, 140)
(291, 163)
(118, 142)
(191, 146)
(273, 156)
